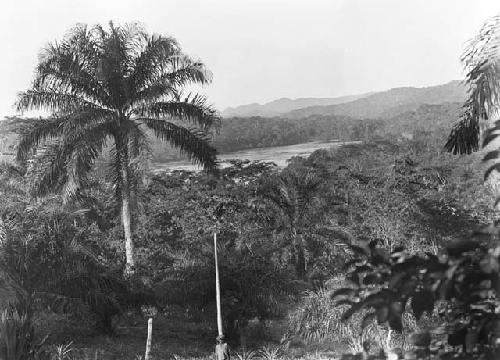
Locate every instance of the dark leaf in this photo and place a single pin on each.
(372, 278)
(343, 292)
(421, 339)
(396, 322)
(382, 314)
(395, 280)
(380, 256)
(492, 155)
(422, 300)
(363, 269)
(490, 170)
(354, 308)
(458, 247)
(490, 137)
(457, 338)
(358, 250)
(367, 319)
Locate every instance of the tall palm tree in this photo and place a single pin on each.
(114, 84)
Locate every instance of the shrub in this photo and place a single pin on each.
(465, 275)
(17, 334)
(317, 320)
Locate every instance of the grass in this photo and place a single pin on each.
(173, 336)
(176, 335)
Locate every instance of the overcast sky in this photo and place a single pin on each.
(261, 50)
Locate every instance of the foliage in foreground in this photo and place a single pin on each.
(17, 334)
(318, 321)
(465, 275)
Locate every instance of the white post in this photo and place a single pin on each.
(217, 291)
(147, 356)
(221, 349)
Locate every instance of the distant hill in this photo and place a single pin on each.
(285, 105)
(436, 118)
(388, 103)
(427, 120)
(407, 112)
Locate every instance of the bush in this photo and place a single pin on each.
(465, 276)
(17, 334)
(57, 257)
(319, 321)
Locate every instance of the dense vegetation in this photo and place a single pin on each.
(382, 249)
(247, 133)
(281, 232)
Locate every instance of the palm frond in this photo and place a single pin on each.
(154, 52)
(185, 71)
(192, 142)
(67, 126)
(80, 162)
(291, 194)
(64, 163)
(194, 110)
(119, 50)
(138, 142)
(53, 100)
(139, 149)
(46, 169)
(170, 76)
(12, 183)
(481, 61)
(464, 136)
(72, 65)
(39, 131)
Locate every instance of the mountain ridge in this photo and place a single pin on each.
(378, 104)
(284, 105)
(367, 105)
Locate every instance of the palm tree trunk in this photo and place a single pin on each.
(126, 207)
(129, 244)
(300, 260)
(300, 266)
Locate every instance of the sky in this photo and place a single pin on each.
(262, 50)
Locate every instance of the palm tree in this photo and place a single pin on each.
(481, 60)
(291, 197)
(114, 84)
